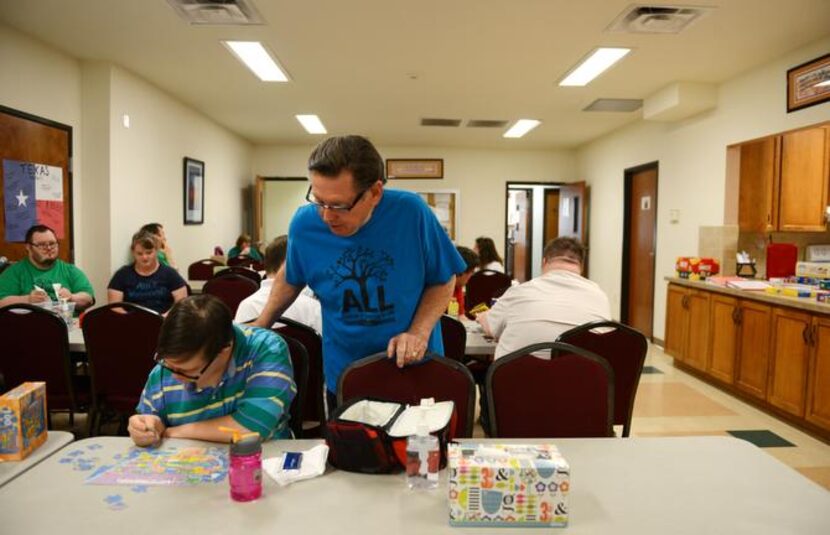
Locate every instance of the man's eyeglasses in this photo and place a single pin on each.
(44, 246)
(160, 361)
(342, 208)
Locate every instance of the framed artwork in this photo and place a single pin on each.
(808, 84)
(194, 192)
(410, 168)
(445, 204)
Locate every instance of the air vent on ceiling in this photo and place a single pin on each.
(440, 122)
(641, 18)
(485, 123)
(217, 12)
(614, 104)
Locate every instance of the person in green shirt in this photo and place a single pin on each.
(32, 279)
(164, 251)
(244, 247)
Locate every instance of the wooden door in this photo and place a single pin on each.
(789, 360)
(258, 192)
(758, 188)
(24, 140)
(805, 156)
(697, 339)
(522, 239)
(551, 216)
(641, 242)
(753, 348)
(677, 321)
(818, 390)
(723, 328)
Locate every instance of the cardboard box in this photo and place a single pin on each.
(22, 421)
(510, 485)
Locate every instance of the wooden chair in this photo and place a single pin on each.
(625, 349)
(483, 286)
(246, 261)
(569, 395)
(121, 340)
(314, 406)
(231, 289)
(202, 270)
(434, 377)
(240, 270)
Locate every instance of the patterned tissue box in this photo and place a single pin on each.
(508, 485)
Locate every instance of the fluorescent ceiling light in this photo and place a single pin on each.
(522, 127)
(257, 58)
(312, 124)
(594, 65)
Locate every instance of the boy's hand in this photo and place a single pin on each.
(146, 429)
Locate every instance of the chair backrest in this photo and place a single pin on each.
(454, 336)
(231, 289)
(299, 362)
(35, 347)
(483, 286)
(570, 395)
(625, 349)
(202, 270)
(246, 261)
(121, 339)
(240, 270)
(314, 407)
(435, 377)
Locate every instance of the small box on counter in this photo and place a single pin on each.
(508, 485)
(817, 270)
(694, 268)
(22, 421)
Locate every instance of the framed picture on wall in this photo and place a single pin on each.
(808, 84)
(194, 192)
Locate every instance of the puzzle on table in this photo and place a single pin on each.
(169, 466)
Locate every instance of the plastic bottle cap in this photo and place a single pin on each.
(246, 446)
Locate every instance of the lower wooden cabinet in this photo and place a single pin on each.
(818, 376)
(789, 360)
(687, 330)
(723, 333)
(753, 348)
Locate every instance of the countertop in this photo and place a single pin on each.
(801, 303)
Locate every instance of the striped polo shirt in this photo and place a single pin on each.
(256, 389)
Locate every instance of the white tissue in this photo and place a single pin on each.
(313, 464)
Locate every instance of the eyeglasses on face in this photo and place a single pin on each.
(341, 208)
(160, 361)
(44, 245)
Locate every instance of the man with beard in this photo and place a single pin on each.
(32, 279)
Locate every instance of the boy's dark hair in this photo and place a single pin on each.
(275, 254)
(566, 248)
(487, 251)
(199, 322)
(469, 256)
(243, 238)
(38, 228)
(348, 153)
(152, 228)
(146, 240)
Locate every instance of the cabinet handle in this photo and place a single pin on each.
(735, 316)
(813, 334)
(740, 315)
(805, 335)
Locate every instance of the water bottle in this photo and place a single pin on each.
(423, 456)
(245, 473)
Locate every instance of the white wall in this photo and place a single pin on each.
(280, 199)
(692, 175)
(479, 174)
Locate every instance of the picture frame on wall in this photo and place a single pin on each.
(415, 168)
(446, 205)
(194, 191)
(808, 84)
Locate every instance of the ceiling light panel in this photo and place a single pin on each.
(312, 124)
(257, 58)
(595, 64)
(522, 127)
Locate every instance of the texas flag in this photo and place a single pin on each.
(33, 194)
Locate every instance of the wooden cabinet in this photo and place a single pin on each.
(784, 181)
(687, 330)
(805, 157)
(723, 331)
(789, 360)
(758, 188)
(753, 343)
(818, 387)
(677, 321)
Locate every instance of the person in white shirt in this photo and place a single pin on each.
(305, 309)
(488, 257)
(545, 307)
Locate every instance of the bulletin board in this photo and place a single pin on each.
(35, 181)
(446, 205)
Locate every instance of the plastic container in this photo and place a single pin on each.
(245, 473)
(423, 457)
(452, 307)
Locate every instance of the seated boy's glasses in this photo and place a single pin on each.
(160, 361)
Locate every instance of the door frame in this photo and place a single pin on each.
(517, 184)
(628, 178)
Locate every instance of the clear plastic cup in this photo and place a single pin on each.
(66, 309)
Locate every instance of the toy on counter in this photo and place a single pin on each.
(695, 268)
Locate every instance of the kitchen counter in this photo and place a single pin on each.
(801, 303)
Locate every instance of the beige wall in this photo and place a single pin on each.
(692, 178)
(479, 174)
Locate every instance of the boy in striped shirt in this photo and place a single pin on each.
(211, 373)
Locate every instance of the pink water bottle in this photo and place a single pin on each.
(245, 474)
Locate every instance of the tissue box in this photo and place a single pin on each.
(510, 485)
(22, 421)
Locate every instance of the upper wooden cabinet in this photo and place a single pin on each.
(784, 181)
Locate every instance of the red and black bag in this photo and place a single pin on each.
(369, 435)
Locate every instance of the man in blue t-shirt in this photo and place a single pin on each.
(378, 260)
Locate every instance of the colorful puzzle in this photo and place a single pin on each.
(22, 421)
(169, 466)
